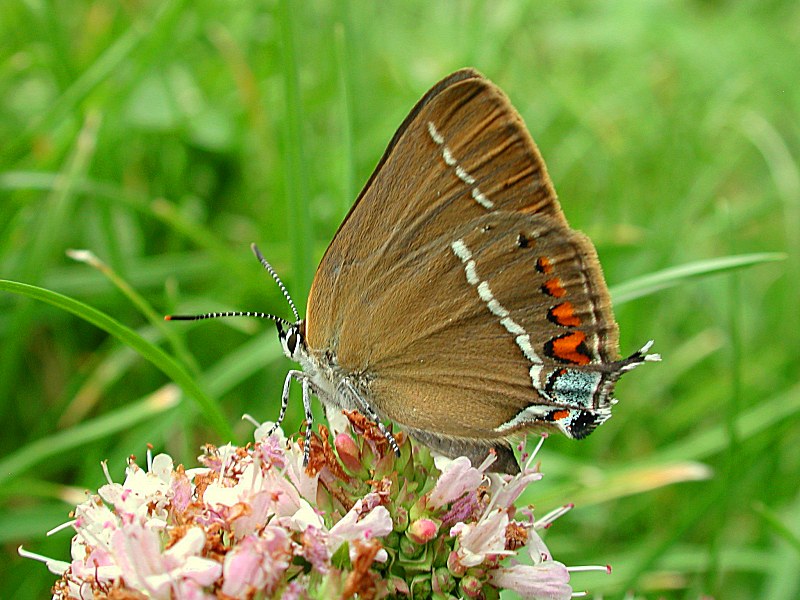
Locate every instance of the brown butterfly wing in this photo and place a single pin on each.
(457, 351)
(414, 196)
(392, 300)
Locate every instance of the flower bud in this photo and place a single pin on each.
(421, 587)
(348, 452)
(442, 582)
(422, 531)
(454, 565)
(410, 550)
(400, 518)
(471, 587)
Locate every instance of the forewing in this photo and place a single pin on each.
(463, 152)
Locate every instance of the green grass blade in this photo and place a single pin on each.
(775, 522)
(345, 111)
(769, 413)
(101, 69)
(156, 320)
(160, 209)
(48, 230)
(298, 213)
(116, 421)
(163, 361)
(660, 280)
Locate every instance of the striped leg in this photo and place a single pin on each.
(367, 410)
(309, 421)
(293, 374)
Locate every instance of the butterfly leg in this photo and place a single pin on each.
(309, 420)
(293, 374)
(368, 412)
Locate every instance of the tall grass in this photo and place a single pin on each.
(166, 136)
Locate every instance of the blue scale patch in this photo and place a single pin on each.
(573, 387)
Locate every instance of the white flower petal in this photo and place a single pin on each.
(162, 467)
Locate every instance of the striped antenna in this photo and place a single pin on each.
(277, 279)
(242, 313)
(228, 313)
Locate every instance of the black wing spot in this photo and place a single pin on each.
(583, 425)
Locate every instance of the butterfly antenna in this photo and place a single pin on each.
(228, 313)
(277, 279)
(241, 313)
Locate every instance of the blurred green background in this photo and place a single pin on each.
(166, 136)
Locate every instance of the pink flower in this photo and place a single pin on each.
(253, 521)
(315, 549)
(457, 478)
(361, 526)
(180, 569)
(485, 538)
(144, 494)
(257, 563)
(549, 580)
(181, 489)
(507, 488)
(305, 484)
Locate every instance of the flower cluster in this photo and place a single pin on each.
(358, 521)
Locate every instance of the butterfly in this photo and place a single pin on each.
(455, 300)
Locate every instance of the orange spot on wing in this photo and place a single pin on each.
(569, 348)
(559, 414)
(543, 265)
(553, 287)
(564, 314)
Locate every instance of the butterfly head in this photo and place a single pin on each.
(291, 334)
(292, 338)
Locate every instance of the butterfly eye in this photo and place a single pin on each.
(291, 340)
